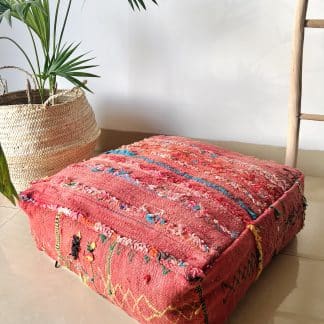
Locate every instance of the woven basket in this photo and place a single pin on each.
(39, 140)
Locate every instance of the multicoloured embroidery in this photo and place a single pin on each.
(164, 258)
(156, 218)
(186, 199)
(205, 182)
(128, 297)
(168, 144)
(183, 205)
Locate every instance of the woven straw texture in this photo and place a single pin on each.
(40, 140)
(170, 229)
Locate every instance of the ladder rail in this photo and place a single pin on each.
(294, 113)
(314, 117)
(314, 23)
(294, 109)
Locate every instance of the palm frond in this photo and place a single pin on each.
(37, 17)
(59, 60)
(67, 65)
(34, 13)
(139, 4)
(6, 11)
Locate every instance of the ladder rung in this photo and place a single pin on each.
(314, 23)
(312, 117)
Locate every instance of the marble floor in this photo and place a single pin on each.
(32, 291)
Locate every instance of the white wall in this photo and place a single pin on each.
(216, 69)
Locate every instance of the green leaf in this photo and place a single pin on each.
(139, 4)
(34, 14)
(67, 65)
(7, 15)
(84, 74)
(77, 83)
(59, 61)
(6, 186)
(5, 11)
(131, 3)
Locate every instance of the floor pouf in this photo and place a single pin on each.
(168, 228)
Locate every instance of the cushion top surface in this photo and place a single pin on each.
(184, 200)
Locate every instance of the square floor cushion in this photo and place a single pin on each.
(168, 228)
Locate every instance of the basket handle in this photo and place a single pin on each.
(61, 93)
(3, 86)
(29, 75)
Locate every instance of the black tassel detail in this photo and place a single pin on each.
(75, 249)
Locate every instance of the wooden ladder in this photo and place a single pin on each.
(295, 114)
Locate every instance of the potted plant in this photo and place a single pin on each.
(45, 128)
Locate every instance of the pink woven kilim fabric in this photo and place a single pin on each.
(168, 228)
